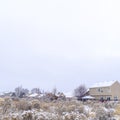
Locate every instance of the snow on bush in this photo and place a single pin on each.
(35, 109)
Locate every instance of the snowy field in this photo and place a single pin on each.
(34, 109)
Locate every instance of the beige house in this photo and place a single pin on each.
(106, 90)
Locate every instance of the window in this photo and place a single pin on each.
(100, 90)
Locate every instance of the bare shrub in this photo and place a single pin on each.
(34, 109)
(23, 105)
(74, 116)
(1, 101)
(35, 104)
(109, 105)
(80, 109)
(6, 104)
(103, 114)
(27, 115)
(117, 110)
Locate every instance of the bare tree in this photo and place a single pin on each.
(36, 90)
(20, 92)
(80, 91)
(54, 91)
(26, 91)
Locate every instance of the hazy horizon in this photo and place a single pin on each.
(60, 44)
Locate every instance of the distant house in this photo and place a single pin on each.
(106, 90)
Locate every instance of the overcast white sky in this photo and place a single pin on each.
(58, 43)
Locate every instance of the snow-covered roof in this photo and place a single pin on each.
(103, 84)
(33, 95)
(88, 97)
(36, 95)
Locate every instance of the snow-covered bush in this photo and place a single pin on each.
(35, 109)
(104, 114)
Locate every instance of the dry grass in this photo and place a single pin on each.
(34, 109)
(117, 110)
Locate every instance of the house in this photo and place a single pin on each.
(106, 90)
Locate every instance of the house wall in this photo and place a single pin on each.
(115, 90)
(100, 92)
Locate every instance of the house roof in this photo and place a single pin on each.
(103, 84)
(88, 97)
(33, 95)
